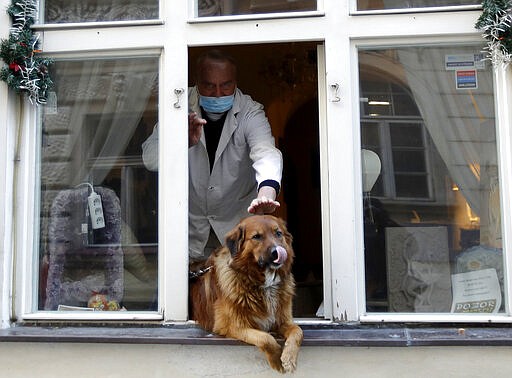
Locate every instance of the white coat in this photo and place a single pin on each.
(246, 156)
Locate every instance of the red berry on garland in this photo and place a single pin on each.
(14, 67)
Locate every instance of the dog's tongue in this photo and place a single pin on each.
(281, 255)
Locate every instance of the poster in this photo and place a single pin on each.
(476, 292)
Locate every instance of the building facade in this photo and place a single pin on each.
(394, 126)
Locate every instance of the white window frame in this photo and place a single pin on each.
(501, 77)
(450, 8)
(342, 219)
(193, 14)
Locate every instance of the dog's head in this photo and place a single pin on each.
(261, 241)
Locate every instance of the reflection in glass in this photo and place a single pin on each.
(98, 211)
(404, 4)
(208, 8)
(67, 11)
(432, 217)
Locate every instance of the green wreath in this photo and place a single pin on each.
(495, 23)
(25, 70)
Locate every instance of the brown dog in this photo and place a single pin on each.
(247, 290)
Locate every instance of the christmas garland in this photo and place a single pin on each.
(26, 71)
(495, 23)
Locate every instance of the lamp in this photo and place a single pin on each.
(371, 169)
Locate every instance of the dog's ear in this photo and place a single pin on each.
(234, 239)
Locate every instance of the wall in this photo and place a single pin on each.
(126, 361)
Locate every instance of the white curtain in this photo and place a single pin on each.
(125, 89)
(64, 11)
(461, 123)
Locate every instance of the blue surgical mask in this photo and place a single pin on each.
(216, 104)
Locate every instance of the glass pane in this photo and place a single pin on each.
(404, 4)
(208, 8)
(408, 161)
(98, 211)
(64, 11)
(411, 186)
(432, 219)
(406, 134)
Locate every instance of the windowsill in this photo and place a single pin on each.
(258, 16)
(331, 335)
(454, 8)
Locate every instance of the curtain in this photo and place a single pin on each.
(461, 124)
(101, 132)
(64, 11)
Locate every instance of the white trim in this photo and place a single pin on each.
(10, 109)
(324, 182)
(103, 39)
(434, 318)
(90, 25)
(107, 54)
(343, 196)
(259, 16)
(503, 106)
(455, 8)
(173, 176)
(26, 210)
(92, 315)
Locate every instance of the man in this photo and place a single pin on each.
(234, 166)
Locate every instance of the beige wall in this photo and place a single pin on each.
(146, 361)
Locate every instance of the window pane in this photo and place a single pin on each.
(63, 11)
(432, 228)
(401, 4)
(411, 186)
(408, 161)
(98, 218)
(208, 8)
(406, 134)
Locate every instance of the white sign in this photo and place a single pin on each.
(454, 62)
(476, 291)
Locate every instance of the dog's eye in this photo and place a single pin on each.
(256, 236)
(279, 233)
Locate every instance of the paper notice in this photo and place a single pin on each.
(476, 291)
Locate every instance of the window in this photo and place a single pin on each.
(100, 254)
(389, 233)
(391, 126)
(363, 5)
(404, 165)
(60, 11)
(442, 255)
(229, 7)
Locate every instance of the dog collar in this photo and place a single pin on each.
(199, 273)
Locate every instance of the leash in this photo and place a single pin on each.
(199, 273)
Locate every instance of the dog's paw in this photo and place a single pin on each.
(275, 363)
(289, 360)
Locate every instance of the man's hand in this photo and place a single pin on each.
(195, 125)
(265, 203)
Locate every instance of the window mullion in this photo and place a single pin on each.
(173, 173)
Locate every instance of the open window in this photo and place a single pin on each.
(283, 77)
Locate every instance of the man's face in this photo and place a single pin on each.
(216, 79)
